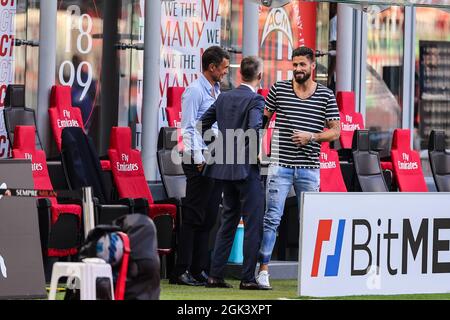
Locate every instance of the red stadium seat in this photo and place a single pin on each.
(63, 115)
(406, 163)
(173, 118)
(263, 92)
(350, 119)
(61, 112)
(62, 215)
(330, 170)
(173, 107)
(129, 178)
(387, 165)
(173, 112)
(267, 137)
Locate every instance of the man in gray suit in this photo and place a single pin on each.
(239, 115)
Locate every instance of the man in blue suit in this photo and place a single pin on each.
(239, 115)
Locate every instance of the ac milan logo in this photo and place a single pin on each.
(277, 20)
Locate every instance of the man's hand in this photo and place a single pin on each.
(301, 138)
(200, 167)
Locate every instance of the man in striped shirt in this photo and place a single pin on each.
(304, 108)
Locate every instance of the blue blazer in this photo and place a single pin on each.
(239, 115)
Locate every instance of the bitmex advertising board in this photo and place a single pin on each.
(374, 243)
(21, 268)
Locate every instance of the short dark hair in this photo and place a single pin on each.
(215, 55)
(251, 66)
(304, 52)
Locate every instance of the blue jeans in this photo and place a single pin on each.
(279, 183)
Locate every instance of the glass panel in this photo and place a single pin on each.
(130, 101)
(187, 29)
(231, 37)
(287, 27)
(324, 43)
(281, 30)
(79, 54)
(19, 48)
(125, 52)
(8, 33)
(432, 90)
(7, 54)
(384, 82)
(32, 54)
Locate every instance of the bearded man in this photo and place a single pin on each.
(304, 108)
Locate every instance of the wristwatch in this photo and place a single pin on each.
(312, 138)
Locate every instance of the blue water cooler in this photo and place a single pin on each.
(237, 251)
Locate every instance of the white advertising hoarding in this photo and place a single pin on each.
(374, 243)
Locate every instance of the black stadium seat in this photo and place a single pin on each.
(369, 176)
(16, 113)
(169, 163)
(59, 223)
(439, 160)
(82, 169)
(129, 178)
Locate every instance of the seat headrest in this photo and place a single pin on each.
(15, 95)
(401, 139)
(174, 97)
(173, 117)
(346, 101)
(361, 141)
(263, 92)
(168, 138)
(61, 96)
(436, 141)
(24, 138)
(120, 138)
(325, 146)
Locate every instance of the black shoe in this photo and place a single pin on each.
(252, 285)
(217, 283)
(201, 277)
(185, 279)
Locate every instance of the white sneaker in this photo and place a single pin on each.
(263, 279)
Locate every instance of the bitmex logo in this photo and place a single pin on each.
(386, 244)
(323, 234)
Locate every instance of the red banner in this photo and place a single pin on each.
(281, 30)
